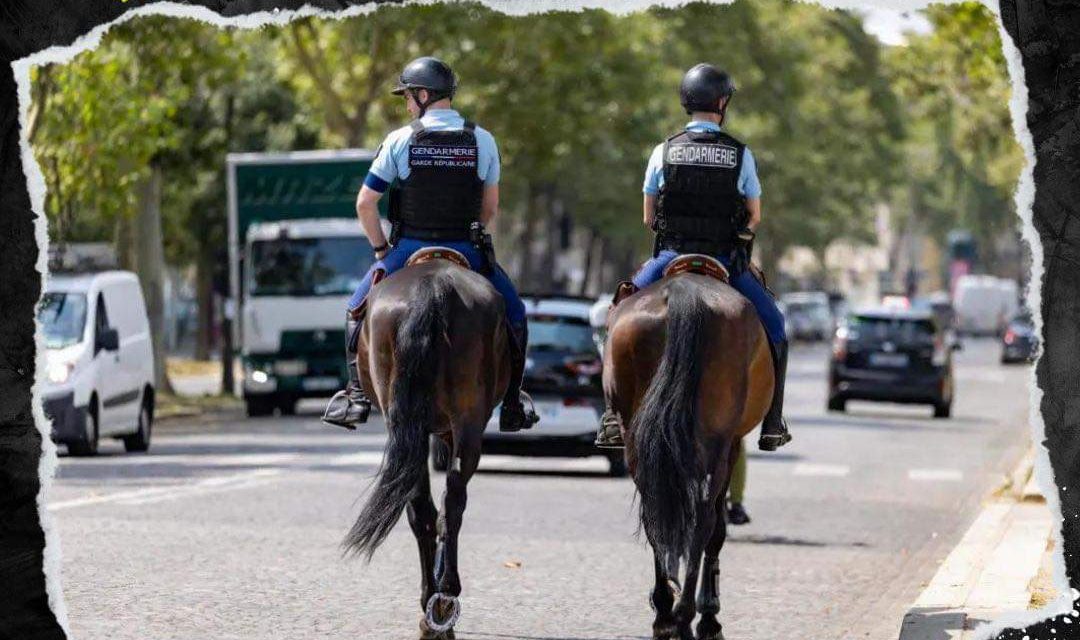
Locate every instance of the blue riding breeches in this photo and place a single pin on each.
(745, 283)
(401, 252)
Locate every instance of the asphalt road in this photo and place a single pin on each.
(232, 529)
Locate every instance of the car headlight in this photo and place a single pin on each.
(59, 372)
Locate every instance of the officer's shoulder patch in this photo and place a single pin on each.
(702, 154)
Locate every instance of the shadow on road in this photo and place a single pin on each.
(481, 635)
(792, 542)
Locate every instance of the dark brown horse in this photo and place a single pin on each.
(688, 371)
(433, 355)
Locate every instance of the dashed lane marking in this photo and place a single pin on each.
(935, 475)
(820, 470)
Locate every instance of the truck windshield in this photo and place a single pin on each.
(308, 266)
(62, 316)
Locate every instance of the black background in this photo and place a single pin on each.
(1047, 33)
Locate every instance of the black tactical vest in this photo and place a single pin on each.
(443, 193)
(700, 209)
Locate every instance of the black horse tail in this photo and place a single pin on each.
(408, 418)
(665, 425)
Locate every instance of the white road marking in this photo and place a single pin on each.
(169, 492)
(212, 460)
(935, 475)
(821, 470)
(361, 458)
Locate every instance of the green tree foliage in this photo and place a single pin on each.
(962, 157)
(837, 122)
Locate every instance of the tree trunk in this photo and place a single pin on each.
(586, 269)
(204, 299)
(150, 265)
(528, 229)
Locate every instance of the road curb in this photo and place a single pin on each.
(991, 570)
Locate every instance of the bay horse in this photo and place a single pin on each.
(687, 370)
(433, 353)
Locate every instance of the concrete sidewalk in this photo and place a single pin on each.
(992, 570)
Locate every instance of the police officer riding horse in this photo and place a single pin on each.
(442, 172)
(702, 196)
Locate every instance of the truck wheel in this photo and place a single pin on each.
(88, 444)
(140, 440)
(943, 409)
(837, 404)
(617, 465)
(440, 454)
(258, 407)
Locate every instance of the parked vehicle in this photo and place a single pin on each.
(984, 304)
(100, 361)
(891, 355)
(563, 376)
(808, 315)
(1019, 343)
(296, 255)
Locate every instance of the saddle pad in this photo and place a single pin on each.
(428, 254)
(697, 263)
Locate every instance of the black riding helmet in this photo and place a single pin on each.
(428, 73)
(702, 88)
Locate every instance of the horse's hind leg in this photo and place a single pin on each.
(662, 599)
(708, 627)
(686, 608)
(422, 516)
(463, 462)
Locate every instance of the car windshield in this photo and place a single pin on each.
(308, 266)
(873, 328)
(559, 333)
(62, 316)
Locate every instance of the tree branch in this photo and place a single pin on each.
(336, 115)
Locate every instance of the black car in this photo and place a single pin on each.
(1019, 343)
(891, 355)
(563, 376)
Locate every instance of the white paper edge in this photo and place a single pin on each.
(1025, 195)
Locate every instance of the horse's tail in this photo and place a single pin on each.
(408, 417)
(665, 425)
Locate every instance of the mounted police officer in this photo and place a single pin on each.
(702, 195)
(445, 175)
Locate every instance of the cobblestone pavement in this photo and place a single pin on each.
(232, 529)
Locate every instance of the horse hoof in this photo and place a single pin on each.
(442, 613)
(427, 634)
(705, 633)
(665, 631)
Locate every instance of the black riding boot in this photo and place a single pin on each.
(774, 431)
(351, 406)
(514, 416)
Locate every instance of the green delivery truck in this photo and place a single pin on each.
(296, 253)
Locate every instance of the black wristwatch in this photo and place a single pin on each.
(382, 247)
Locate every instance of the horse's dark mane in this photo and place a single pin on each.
(410, 412)
(667, 473)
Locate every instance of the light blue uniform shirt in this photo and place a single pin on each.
(749, 185)
(392, 160)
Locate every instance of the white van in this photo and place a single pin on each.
(984, 304)
(100, 376)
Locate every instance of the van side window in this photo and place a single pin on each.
(101, 319)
